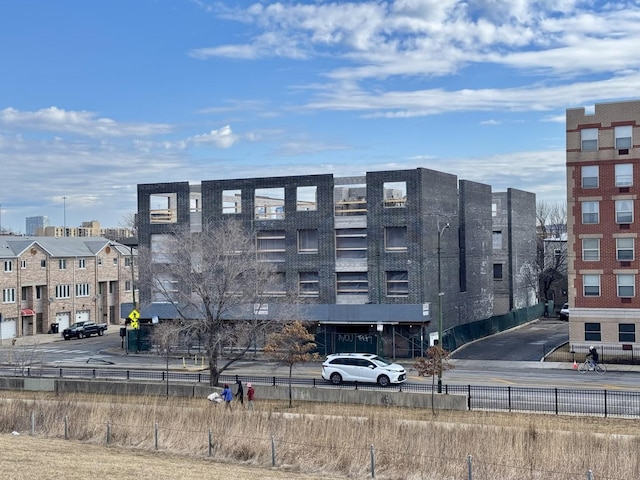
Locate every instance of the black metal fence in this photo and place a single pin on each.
(558, 401)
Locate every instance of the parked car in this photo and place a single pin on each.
(84, 329)
(564, 312)
(362, 367)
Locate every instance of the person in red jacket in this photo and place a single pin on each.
(250, 396)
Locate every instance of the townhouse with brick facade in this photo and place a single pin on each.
(365, 252)
(603, 183)
(47, 281)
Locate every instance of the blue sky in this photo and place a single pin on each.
(98, 96)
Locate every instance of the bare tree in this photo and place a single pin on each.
(218, 286)
(294, 344)
(551, 261)
(436, 362)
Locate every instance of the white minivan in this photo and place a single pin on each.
(362, 367)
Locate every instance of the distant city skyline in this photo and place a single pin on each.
(98, 97)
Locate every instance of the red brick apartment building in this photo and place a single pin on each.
(603, 184)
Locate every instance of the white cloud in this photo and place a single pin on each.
(222, 138)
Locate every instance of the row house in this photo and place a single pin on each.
(47, 281)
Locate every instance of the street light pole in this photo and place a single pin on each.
(440, 294)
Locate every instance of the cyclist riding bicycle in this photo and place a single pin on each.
(592, 356)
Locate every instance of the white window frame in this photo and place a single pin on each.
(623, 135)
(9, 295)
(590, 175)
(591, 249)
(63, 291)
(591, 284)
(626, 285)
(62, 263)
(8, 266)
(624, 211)
(23, 264)
(587, 138)
(82, 263)
(592, 209)
(625, 244)
(624, 174)
(83, 290)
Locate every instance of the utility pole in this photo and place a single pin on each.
(440, 295)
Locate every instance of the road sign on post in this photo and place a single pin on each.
(134, 316)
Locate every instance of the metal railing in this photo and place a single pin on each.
(558, 401)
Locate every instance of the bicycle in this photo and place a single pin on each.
(585, 366)
(386, 400)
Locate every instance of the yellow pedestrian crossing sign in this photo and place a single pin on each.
(134, 316)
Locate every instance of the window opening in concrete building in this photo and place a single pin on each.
(497, 271)
(623, 138)
(397, 283)
(165, 288)
(308, 284)
(590, 212)
(160, 248)
(307, 199)
(350, 200)
(395, 239)
(308, 241)
(269, 203)
(624, 211)
(626, 285)
(590, 249)
(591, 285)
(624, 175)
(276, 286)
(231, 201)
(395, 194)
(494, 209)
(592, 332)
(163, 208)
(627, 332)
(352, 283)
(589, 139)
(625, 249)
(590, 176)
(271, 245)
(497, 240)
(351, 243)
(195, 208)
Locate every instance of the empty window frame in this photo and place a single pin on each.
(163, 208)
(624, 175)
(624, 211)
(590, 212)
(269, 203)
(592, 332)
(497, 240)
(591, 249)
(351, 243)
(395, 194)
(270, 245)
(8, 295)
(308, 241)
(395, 239)
(231, 201)
(589, 139)
(397, 284)
(307, 199)
(352, 283)
(494, 209)
(591, 285)
(497, 271)
(350, 200)
(623, 137)
(625, 249)
(627, 332)
(165, 288)
(161, 249)
(276, 286)
(626, 285)
(590, 176)
(308, 284)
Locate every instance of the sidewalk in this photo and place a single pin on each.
(45, 338)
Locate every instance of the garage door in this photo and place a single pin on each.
(82, 316)
(62, 319)
(8, 329)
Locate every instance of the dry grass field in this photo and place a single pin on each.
(166, 439)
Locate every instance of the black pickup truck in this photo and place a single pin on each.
(84, 329)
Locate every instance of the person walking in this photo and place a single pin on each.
(250, 396)
(240, 392)
(227, 395)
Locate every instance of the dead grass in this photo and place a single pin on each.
(325, 440)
